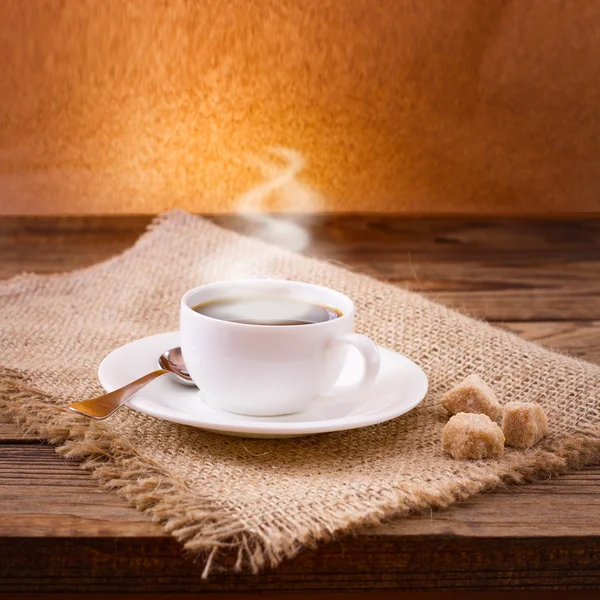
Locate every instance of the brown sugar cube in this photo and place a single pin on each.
(472, 436)
(472, 395)
(524, 424)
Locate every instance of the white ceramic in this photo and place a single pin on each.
(267, 370)
(398, 388)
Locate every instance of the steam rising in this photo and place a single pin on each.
(281, 190)
(292, 196)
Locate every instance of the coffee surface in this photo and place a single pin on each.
(267, 311)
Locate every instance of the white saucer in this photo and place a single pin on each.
(399, 387)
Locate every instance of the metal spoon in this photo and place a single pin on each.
(103, 406)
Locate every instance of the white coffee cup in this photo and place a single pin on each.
(268, 370)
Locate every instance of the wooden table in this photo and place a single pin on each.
(540, 279)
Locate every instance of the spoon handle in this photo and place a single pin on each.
(103, 406)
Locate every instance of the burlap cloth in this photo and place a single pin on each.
(266, 499)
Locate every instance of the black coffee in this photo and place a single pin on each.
(267, 311)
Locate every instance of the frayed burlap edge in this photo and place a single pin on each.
(205, 529)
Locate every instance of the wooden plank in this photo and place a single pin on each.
(580, 339)
(11, 433)
(43, 495)
(276, 595)
(564, 506)
(41, 245)
(328, 595)
(363, 563)
(14, 434)
(507, 269)
(503, 239)
(60, 532)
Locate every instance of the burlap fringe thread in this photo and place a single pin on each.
(202, 528)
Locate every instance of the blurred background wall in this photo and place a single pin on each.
(397, 105)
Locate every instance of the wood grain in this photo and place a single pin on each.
(580, 339)
(59, 532)
(43, 495)
(35, 483)
(501, 270)
(364, 563)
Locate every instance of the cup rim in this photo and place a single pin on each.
(346, 314)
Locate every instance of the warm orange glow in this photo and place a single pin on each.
(401, 105)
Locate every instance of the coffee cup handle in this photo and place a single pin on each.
(370, 355)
